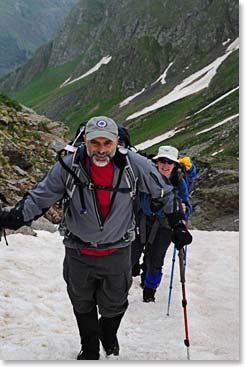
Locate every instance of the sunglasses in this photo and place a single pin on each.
(165, 160)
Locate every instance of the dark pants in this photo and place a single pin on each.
(102, 281)
(154, 253)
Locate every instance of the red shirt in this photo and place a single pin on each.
(102, 176)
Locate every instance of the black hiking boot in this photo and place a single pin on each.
(82, 356)
(114, 349)
(107, 334)
(149, 294)
(88, 329)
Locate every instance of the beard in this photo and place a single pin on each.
(101, 163)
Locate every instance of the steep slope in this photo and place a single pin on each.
(25, 25)
(28, 147)
(122, 57)
(141, 36)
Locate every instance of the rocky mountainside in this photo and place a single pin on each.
(28, 147)
(142, 37)
(160, 67)
(25, 25)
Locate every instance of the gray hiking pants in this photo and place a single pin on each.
(98, 280)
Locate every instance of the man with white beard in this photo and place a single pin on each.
(100, 182)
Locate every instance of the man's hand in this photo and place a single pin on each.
(12, 219)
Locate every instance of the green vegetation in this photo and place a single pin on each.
(140, 53)
(46, 84)
(158, 122)
(4, 99)
(82, 112)
(224, 139)
(227, 76)
(153, 124)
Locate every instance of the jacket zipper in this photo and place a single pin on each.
(98, 215)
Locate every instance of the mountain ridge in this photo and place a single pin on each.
(25, 25)
(140, 42)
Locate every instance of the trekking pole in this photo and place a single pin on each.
(185, 256)
(2, 232)
(171, 276)
(184, 301)
(171, 280)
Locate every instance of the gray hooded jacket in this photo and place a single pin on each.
(89, 230)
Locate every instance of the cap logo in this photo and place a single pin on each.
(101, 123)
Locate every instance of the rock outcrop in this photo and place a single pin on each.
(28, 148)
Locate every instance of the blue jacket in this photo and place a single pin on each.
(183, 193)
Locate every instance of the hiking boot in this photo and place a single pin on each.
(107, 334)
(114, 349)
(82, 356)
(149, 294)
(88, 329)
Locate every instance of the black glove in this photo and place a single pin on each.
(175, 218)
(11, 220)
(181, 236)
(155, 205)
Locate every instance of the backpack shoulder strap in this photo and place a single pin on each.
(73, 179)
(130, 177)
